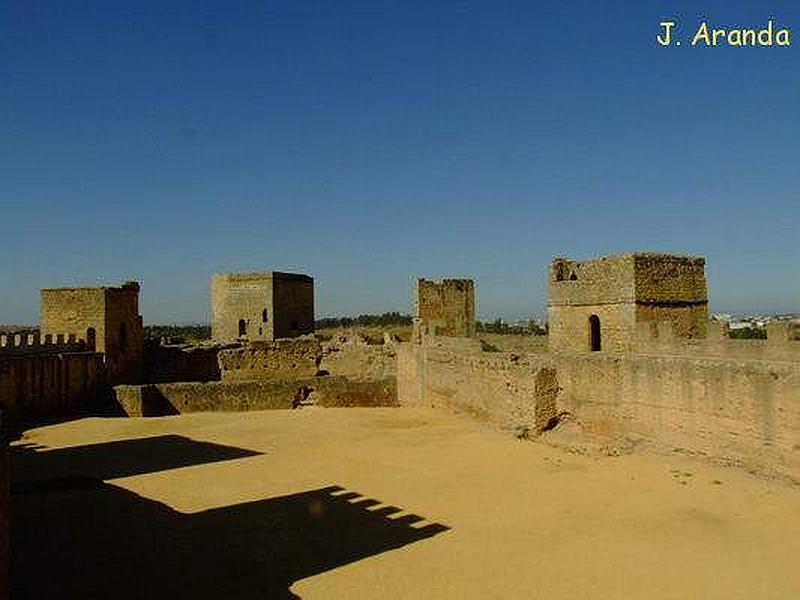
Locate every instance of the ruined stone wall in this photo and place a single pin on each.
(26, 344)
(512, 391)
(293, 300)
(271, 360)
(445, 308)
(44, 385)
(329, 392)
(351, 355)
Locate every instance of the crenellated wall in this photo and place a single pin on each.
(48, 384)
(18, 344)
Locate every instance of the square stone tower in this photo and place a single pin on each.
(106, 317)
(445, 308)
(598, 304)
(261, 306)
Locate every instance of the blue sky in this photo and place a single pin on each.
(366, 143)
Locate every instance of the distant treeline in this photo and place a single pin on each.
(748, 333)
(500, 326)
(188, 332)
(387, 319)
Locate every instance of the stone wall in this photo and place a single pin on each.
(744, 411)
(444, 308)
(271, 360)
(512, 391)
(293, 300)
(353, 356)
(45, 385)
(330, 392)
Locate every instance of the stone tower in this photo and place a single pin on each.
(598, 304)
(445, 308)
(261, 306)
(107, 318)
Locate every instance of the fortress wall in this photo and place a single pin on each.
(350, 355)
(48, 384)
(330, 392)
(605, 280)
(20, 344)
(743, 411)
(512, 391)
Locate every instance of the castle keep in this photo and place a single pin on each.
(445, 308)
(600, 304)
(106, 318)
(261, 306)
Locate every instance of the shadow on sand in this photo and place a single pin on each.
(74, 536)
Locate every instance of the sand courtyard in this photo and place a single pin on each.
(381, 503)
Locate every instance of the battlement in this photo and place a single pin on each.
(27, 343)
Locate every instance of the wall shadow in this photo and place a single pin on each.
(33, 467)
(107, 542)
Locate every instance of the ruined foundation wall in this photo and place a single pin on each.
(271, 360)
(177, 398)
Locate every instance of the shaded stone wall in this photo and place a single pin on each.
(444, 308)
(331, 392)
(164, 364)
(49, 384)
(5, 518)
(293, 299)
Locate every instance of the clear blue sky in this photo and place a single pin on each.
(369, 142)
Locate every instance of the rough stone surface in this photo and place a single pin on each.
(623, 291)
(271, 360)
(176, 398)
(444, 308)
(261, 306)
(5, 521)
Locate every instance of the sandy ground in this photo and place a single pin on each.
(243, 506)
